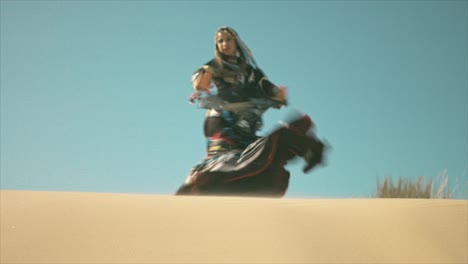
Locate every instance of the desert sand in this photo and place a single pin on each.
(66, 227)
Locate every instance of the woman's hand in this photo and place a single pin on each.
(281, 94)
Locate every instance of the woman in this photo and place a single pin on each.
(238, 162)
(237, 78)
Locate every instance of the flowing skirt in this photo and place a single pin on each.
(257, 170)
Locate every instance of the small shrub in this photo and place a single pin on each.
(404, 188)
(422, 188)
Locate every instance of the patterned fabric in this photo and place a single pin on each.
(223, 133)
(232, 161)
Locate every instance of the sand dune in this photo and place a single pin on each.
(60, 227)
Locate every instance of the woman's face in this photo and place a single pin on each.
(226, 43)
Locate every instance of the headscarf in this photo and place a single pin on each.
(243, 50)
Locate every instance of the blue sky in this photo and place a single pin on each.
(94, 93)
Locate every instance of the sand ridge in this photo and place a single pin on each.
(69, 227)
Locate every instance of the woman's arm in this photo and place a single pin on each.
(201, 80)
(276, 92)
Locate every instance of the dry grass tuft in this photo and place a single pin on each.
(423, 188)
(404, 188)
